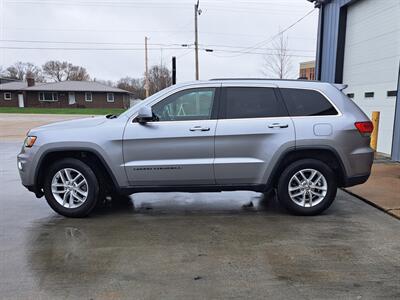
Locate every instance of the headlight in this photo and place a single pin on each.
(29, 141)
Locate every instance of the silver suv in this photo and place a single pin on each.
(302, 139)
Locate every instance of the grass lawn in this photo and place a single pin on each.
(67, 111)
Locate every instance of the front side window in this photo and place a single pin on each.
(48, 96)
(251, 102)
(193, 104)
(88, 96)
(301, 102)
(110, 97)
(7, 96)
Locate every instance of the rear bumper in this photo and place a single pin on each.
(355, 180)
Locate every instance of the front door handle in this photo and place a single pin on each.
(199, 128)
(278, 125)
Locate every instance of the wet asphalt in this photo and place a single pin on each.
(193, 246)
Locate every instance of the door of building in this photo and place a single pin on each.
(71, 98)
(20, 100)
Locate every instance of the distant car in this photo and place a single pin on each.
(301, 138)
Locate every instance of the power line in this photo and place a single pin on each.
(244, 47)
(255, 53)
(279, 33)
(86, 48)
(150, 44)
(140, 49)
(88, 43)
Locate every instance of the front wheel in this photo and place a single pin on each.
(71, 188)
(307, 187)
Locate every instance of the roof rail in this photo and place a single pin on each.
(272, 79)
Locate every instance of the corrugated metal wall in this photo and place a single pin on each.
(330, 35)
(327, 54)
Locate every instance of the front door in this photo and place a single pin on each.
(178, 147)
(71, 98)
(21, 100)
(252, 130)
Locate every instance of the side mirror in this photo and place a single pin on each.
(145, 114)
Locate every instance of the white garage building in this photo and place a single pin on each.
(359, 45)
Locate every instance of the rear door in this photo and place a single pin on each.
(178, 148)
(252, 131)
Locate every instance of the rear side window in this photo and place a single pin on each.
(251, 102)
(301, 102)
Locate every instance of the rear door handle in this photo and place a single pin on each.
(199, 128)
(278, 125)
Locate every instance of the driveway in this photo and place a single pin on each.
(188, 246)
(15, 126)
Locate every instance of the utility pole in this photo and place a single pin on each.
(196, 41)
(146, 72)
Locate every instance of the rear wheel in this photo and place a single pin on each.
(307, 187)
(71, 188)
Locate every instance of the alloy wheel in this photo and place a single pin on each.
(307, 187)
(69, 187)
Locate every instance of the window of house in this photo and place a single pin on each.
(369, 95)
(391, 93)
(350, 95)
(251, 102)
(48, 96)
(7, 96)
(192, 104)
(110, 97)
(301, 102)
(88, 96)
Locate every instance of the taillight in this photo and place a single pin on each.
(365, 128)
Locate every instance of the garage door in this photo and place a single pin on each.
(371, 61)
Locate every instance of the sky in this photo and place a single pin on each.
(107, 37)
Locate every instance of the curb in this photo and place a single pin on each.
(371, 203)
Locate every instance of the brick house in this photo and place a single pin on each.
(9, 93)
(90, 94)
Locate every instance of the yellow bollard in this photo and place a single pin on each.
(374, 135)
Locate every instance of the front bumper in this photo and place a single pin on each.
(34, 189)
(26, 168)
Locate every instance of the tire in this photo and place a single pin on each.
(84, 197)
(305, 197)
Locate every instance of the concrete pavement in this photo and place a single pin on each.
(15, 126)
(193, 246)
(382, 188)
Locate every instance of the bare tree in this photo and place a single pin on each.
(105, 82)
(159, 78)
(133, 85)
(21, 70)
(278, 64)
(79, 74)
(62, 70)
(55, 70)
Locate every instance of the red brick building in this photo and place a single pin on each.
(307, 70)
(90, 94)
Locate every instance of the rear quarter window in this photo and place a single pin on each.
(302, 102)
